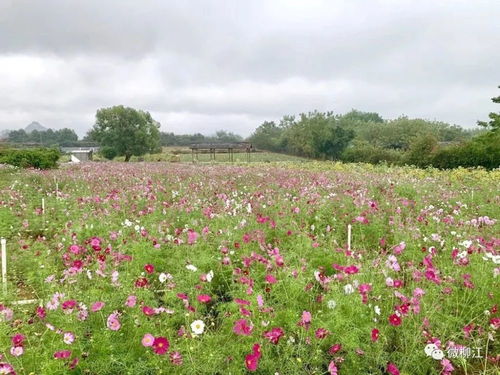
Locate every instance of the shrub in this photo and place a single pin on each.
(363, 152)
(40, 158)
(482, 151)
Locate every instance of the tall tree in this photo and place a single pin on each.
(125, 131)
(494, 123)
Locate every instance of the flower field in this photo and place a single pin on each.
(156, 268)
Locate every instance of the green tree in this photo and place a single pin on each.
(494, 123)
(126, 130)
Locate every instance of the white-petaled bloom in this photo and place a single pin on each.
(68, 338)
(191, 268)
(496, 259)
(210, 276)
(348, 289)
(377, 310)
(198, 326)
(331, 304)
(162, 277)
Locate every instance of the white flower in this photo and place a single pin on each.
(377, 310)
(210, 276)
(348, 289)
(191, 268)
(162, 277)
(198, 326)
(496, 259)
(331, 304)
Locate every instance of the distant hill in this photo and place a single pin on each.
(35, 126)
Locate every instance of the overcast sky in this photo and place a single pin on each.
(200, 66)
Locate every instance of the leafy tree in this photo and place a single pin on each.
(267, 137)
(126, 130)
(494, 123)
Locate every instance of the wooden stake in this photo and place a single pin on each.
(4, 265)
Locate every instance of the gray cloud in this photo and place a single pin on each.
(200, 66)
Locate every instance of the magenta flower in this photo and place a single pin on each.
(96, 306)
(241, 327)
(17, 340)
(274, 335)
(160, 345)
(321, 333)
(149, 268)
(392, 369)
(62, 354)
(204, 298)
(374, 335)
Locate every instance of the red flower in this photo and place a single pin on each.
(204, 298)
(274, 335)
(160, 345)
(17, 340)
(375, 333)
(395, 320)
(141, 282)
(149, 268)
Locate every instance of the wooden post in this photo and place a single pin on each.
(43, 205)
(4, 265)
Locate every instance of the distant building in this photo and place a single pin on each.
(81, 155)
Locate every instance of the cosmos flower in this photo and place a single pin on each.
(198, 326)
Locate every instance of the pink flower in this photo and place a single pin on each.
(192, 237)
(148, 340)
(176, 358)
(332, 368)
(274, 335)
(96, 306)
(160, 345)
(68, 338)
(62, 354)
(113, 322)
(16, 351)
(398, 249)
(241, 327)
(305, 320)
(392, 369)
(271, 279)
(321, 333)
(149, 268)
(7, 369)
(131, 301)
(204, 298)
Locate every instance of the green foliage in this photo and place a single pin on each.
(108, 152)
(494, 123)
(221, 136)
(126, 130)
(483, 151)
(41, 158)
(364, 152)
(421, 149)
(62, 137)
